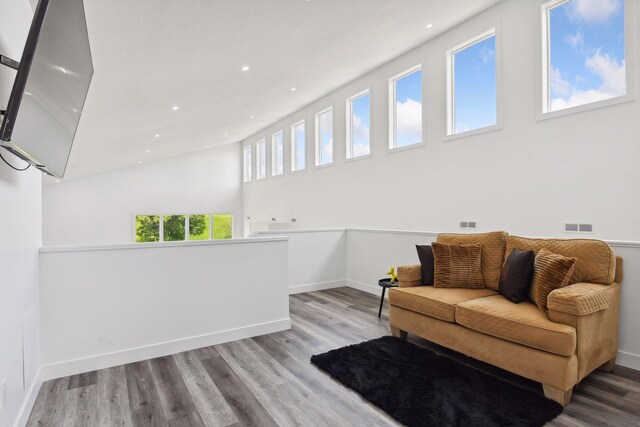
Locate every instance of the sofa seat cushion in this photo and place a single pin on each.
(522, 323)
(439, 303)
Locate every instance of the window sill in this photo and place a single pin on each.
(355, 159)
(587, 107)
(406, 147)
(328, 165)
(295, 172)
(473, 132)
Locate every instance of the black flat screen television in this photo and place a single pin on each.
(50, 87)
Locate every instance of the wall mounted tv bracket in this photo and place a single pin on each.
(8, 62)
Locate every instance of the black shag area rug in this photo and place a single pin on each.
(419, 388)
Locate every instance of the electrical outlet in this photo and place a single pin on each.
(3, 388)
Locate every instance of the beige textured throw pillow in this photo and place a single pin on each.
(457, 266)
(550, 272)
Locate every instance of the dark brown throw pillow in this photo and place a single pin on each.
(550, 272)
(516, 275)
(425, 254)
(457, 266)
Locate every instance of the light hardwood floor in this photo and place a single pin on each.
(269, 381)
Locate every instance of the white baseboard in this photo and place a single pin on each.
(107, 360)
(628, 360)
(29, 401)
(298, 289)
(365, 287)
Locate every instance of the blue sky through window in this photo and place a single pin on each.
(325, 130)
(277, 159)
(298, 147)
(360, 126)
(408, 90)
(587, 58)
(475, 86)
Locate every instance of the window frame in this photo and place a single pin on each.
(482, 36)
(349, 126)
(186, 225)
(274, 163)
(318, 138)
(543, 82)
(260, 158)
(294, 151)
(393, 118)
(247, 174)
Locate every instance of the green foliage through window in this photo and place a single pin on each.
(173, 227)
(222, 226)
(199, 226)
(147, 228)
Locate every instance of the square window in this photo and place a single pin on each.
(472, 88)
(247, 163)
(199, 227)
(173, 228)
(324, 137)
(584, 57)
(277, 154)
(298, 147)
(359, 125)
(406, 109)
(222, 226)
(147, 228)
(261, 159)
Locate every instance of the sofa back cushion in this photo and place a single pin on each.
(457, 266)
(596, 261)
(493, 249)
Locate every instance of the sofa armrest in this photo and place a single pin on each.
(579, 299)
(409, 276)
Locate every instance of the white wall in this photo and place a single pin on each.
(169, 297)
(527, 178)
(20, 237)
(317, 258)
(100, 209)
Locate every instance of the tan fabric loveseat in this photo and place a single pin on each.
(558, 348)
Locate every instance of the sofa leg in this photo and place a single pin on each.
(563, 397)
(398, 333)
(608, 366)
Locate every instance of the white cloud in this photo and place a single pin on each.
(559, 86)
(360, 150)
(359, 129)
(611, 71)
(575, 40)
(595, 10)
(487, 55)
(410, 118)
(328, 151)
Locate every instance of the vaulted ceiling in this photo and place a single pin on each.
(153, 55)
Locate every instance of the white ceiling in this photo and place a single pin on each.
(150, 55)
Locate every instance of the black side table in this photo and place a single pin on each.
(384, 284)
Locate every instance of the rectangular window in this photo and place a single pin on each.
(277, 154)
(247, 163)
(298, 148)
(173, 228)
(406, 110)
(147, 228)
(358, 125)
(222, 226)
(261, 159)
(583, 53)
(199, 227)
(472, 85)
(324, 137)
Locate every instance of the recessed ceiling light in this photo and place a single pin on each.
(246, 68)
(57, 180)
(157, 135)
(175, 108)
(251, 117)
(207, 146)
(293, 89)
(139, 162)
(226, 134)
(429, 26)
(147, 151)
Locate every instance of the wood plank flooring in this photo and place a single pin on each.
(269, 381)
